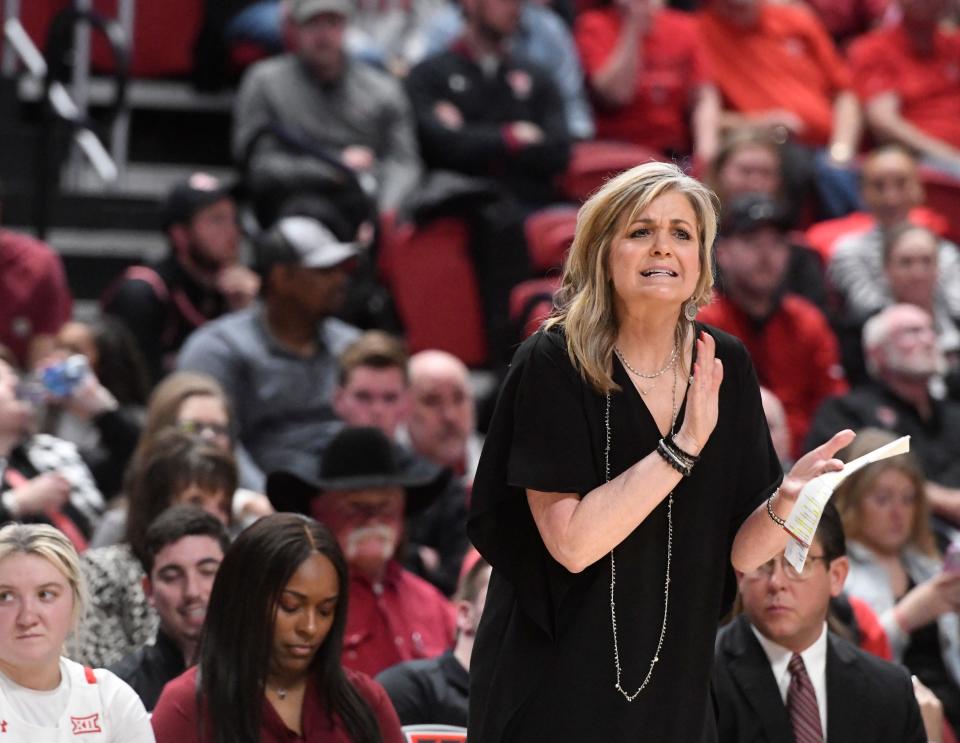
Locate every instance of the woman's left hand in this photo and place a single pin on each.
(814, 463)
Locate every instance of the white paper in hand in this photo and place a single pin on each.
(805, 517)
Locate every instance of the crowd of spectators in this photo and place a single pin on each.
(244, 389)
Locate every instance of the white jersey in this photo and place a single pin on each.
(100, 708)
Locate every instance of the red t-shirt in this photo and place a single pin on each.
(175, 717)
(34, 297)
(928, 87)
(673, 66)
(794, 352)
(403, 619)
(786, 61)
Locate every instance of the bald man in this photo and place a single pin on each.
(890, 188)
(442, 421)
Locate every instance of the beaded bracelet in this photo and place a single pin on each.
(688, 459)
(776, 519)
(673, 460)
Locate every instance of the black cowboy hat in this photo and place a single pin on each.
(357, 458)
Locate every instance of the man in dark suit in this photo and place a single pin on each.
(781, 676)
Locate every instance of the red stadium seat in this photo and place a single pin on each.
(594, 162)
(549, 233)
(429, 272)
(943, 196)
(531, 303)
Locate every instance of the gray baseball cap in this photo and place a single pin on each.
(304, 241)
(303, 10)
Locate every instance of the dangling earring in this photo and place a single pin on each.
(690, 310)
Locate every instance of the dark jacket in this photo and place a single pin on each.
(868, 699)
(148, 669)
(432, 691)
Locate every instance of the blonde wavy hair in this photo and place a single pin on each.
(584, 301)
(53, 546)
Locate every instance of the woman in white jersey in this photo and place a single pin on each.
(46, 698)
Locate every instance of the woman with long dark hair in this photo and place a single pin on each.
(278, 670)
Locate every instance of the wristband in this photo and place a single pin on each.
(9, 502)
(675, 461)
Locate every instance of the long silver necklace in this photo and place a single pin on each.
(613, 564)
(659, 372)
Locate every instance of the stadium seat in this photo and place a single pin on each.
(549, 233)
(434, 734)
(593, 163)
(429, 272)
(943, 196)
(531, 303)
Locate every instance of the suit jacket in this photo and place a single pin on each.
(868, 699)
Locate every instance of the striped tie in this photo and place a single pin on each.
(802, 704)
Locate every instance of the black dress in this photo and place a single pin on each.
(542, 666)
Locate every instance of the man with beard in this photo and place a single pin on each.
(199, 280)
(277, 360)
(183, 550)
(903, 358)
(793, 349)
(362, 491)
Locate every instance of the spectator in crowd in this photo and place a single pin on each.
(287, 577)
(43, 695)
(892, 193)
(781, 674)
(42, 478)
(542, 38)
(442, 422)
(498, 121)
(183, 548)
(199, 280)
(789, 340)
(647, 76)
(362, 491)
(896, 568)
(194, 404)
(320, 133)
(484, 111)
(103, 414)
(277, 360)
(36, 298)
(751, 161)
(434, 691)
(911, 272)
(900, 346)
(776, 67)
(177, 469)
(891, 190)
(906, 76)
(374, 391)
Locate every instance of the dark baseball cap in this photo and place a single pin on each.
(188, 197)
(751, 212)
(304, 241)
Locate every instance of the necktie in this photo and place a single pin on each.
(802, 704)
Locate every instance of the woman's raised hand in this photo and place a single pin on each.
(702, 398)
(926, 602)
(815, 462)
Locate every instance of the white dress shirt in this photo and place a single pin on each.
(815, 660)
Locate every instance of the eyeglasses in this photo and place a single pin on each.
(203, 428)
(766, 570)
